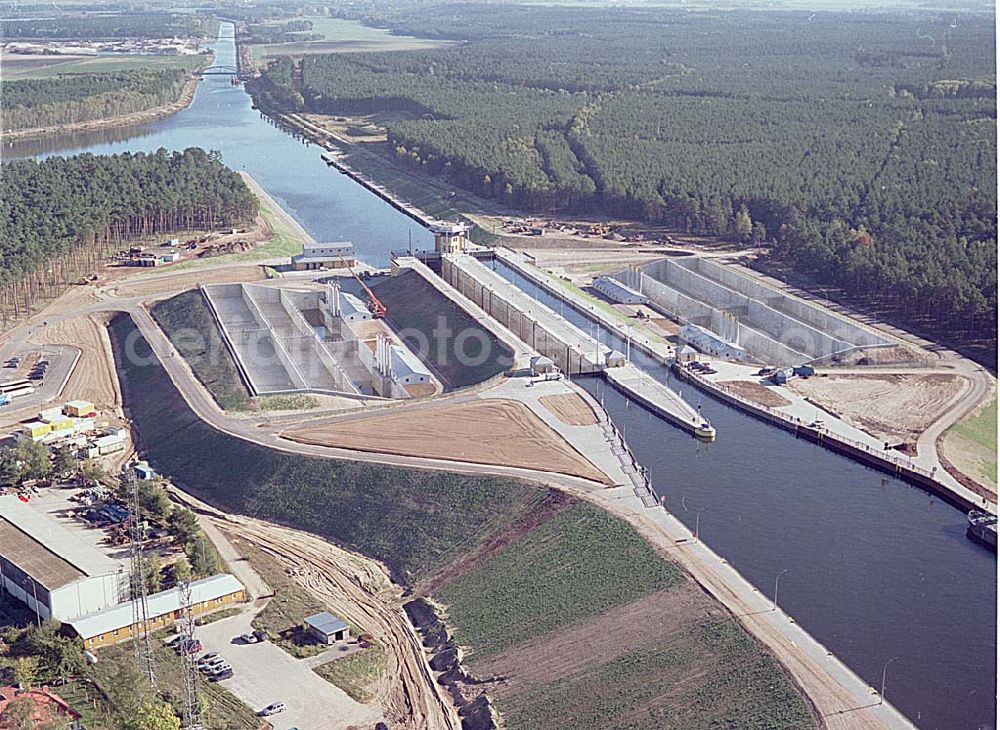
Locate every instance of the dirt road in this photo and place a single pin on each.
(359, 590)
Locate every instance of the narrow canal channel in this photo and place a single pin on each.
(876, 568)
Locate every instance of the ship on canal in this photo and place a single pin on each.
(983, 528)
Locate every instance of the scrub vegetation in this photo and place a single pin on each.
(861, 147)
(356, 674)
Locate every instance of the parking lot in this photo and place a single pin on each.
(264, 673)
(61, 359)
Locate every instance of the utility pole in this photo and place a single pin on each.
(141, 641)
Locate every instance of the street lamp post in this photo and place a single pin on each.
(774, 604)
(881, 696)
(697, 524)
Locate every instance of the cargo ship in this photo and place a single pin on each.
(983, 528)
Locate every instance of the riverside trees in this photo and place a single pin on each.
(61, 217)
(71, 98)
(862, 145)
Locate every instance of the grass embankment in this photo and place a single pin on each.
(356, 674)
(571, 567)
(436, 329)
(412, 520)
(587, 623)
(972, 444)
(188, 323)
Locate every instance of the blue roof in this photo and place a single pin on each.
(325, 622)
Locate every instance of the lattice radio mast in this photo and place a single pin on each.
(190, 678)
(141, 640)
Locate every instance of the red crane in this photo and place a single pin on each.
(374, 305)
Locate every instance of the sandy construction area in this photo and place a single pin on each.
(893, 407)
(93, 378)
(166, 283)
(501, 432)
(570, 408)
(757, 393)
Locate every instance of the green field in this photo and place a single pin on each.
(739, 687)
(977, 437)
(576, 565)
(190, 326)
(33, 67)
(343, 36)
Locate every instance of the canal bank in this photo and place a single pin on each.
(876, 568)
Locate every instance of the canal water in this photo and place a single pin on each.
(876, 569)
(330, 206)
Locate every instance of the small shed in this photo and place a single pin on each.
(615, 359)
(542, 365)
(143, 470)
(79, 409)
(687, 354)
(327, 628)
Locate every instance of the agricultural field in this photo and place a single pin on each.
(415, 306)
(412, 520)
(188, 323)
(342, 36)
(17, 66)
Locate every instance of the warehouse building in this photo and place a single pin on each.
(55, 572)
(618, 292)
(314, 256)
(327, 628)
(117, 623)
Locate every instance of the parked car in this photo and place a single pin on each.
(220, 676)
(42, 363)
(254, 637)
(219, 668)
(188, 647)
(272, 709)
(209, 658)
(212, 665)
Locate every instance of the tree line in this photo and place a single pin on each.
(61, 218)
(863, 150)
(124, 25)
(71, 98)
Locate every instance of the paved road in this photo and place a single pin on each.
(264, 673)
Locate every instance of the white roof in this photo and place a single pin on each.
(448, 227)
(541, 360)
(80, 404)
(350, 304)
(406, 363)
(68, 545)
(110, 440)
(116, 617)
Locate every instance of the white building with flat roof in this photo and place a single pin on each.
(51, 569)
(335, 255)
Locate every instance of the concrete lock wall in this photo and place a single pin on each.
(314, 354)
(279, 350)
(834, 326)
